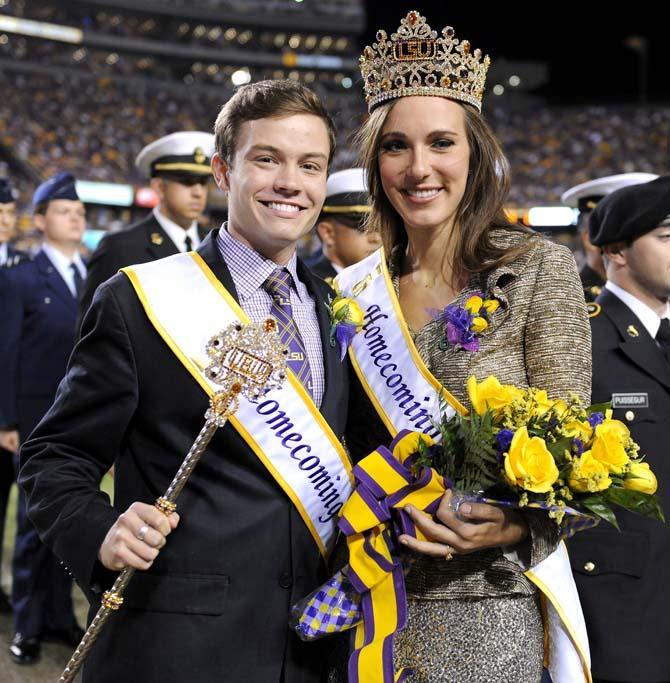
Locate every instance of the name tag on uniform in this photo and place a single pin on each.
(632, 400)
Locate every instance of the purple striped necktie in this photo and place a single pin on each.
(278, 286)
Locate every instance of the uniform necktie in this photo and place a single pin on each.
(278, 286)
(78, 279)
(188, 244)
(663, 337)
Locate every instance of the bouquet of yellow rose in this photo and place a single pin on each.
(518, 446)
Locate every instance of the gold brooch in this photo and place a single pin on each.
(156, 238)
(632, 331)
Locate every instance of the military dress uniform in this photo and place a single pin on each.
(323, 268)
(585, 197)
(141, 242)
(347, 205)
(9, 256)
(179, 156)
(38, 309)
(621, 576)
(592, 283)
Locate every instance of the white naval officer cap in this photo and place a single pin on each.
(183, 154)
(347, 192)
(586, 195)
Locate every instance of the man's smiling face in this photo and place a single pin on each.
(276, 182)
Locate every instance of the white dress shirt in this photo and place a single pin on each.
(646, 315)
(63, 265)
(176, 233)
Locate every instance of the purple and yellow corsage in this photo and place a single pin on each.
(465, 324)
(346, 319)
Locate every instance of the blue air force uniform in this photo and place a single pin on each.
(9, 256)
(39, 311)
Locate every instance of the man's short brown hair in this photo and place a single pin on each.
(266, 99)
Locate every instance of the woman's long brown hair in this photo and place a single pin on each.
(479, 212)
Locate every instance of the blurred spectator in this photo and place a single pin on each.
(99, 107)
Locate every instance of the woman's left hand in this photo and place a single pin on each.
(476, 527)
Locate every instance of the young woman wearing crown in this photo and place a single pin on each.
(438, 179)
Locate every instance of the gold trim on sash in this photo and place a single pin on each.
(428, 376)
(192, 367)
(548, 595)
(379, 261)
(371, 394)
(187, 362)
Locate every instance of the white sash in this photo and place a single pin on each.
(569, 659)
(402, 389)
(188, 305)
(404, 393)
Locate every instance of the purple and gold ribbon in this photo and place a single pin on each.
(372, 519)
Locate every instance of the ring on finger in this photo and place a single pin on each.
(449, 555)
(143, 532)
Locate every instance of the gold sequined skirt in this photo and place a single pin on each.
(473, 640)
(467, 640)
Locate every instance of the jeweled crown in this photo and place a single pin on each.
(415, 61)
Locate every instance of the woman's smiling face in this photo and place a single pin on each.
(424, 160)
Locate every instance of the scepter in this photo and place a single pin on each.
(244, 360)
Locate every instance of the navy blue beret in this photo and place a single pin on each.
(630, 212)
(61, 186)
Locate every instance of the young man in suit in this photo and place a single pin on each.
(621, 575)
(38, 305)
(248, 540)
(179, 168)
(341, 226)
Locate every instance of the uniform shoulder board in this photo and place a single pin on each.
(593, 309)
(15, 259)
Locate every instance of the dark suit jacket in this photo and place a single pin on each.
(214, 605)
(139, 243)
(324, 269)
(38, 314)
(622, 577)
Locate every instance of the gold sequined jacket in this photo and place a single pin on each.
(539, 336)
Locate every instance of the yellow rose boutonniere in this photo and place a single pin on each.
(474, 304)
(464, 324)
(346, 319)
